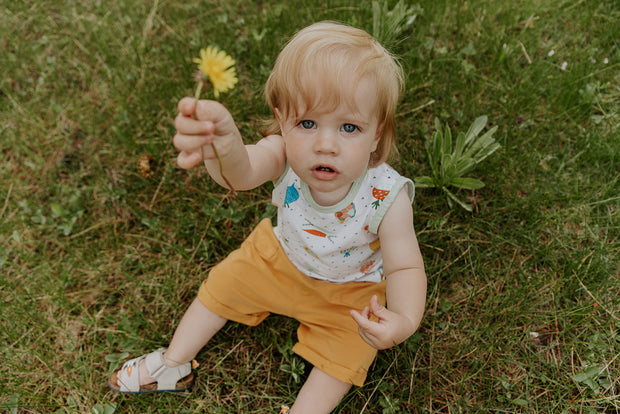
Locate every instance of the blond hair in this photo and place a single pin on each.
(322, 66)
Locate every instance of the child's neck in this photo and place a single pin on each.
(331, 198)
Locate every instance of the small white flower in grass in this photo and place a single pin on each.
(564, 65)
(534, 334)
(605, 61)
(551, 53)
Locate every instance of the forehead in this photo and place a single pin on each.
(351, 93)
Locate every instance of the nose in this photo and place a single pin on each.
(326, 142)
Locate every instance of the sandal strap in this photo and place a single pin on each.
(128, 375)
(166, 377)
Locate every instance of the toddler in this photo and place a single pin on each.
(344, 246)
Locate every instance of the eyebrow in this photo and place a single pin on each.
(352, 117)
(361, 124)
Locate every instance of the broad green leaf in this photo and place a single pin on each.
(464, 165)
(446, 145)
(467, 183)
(485, 152)
(457, 200)
(433, 153)
(57, 210)
(446, 160)
(437, 139)
(475, 128)
(460, 145)
(424, 182)
(115, 358)
(450, 173)
(520, 402)
(589, 373)
(437, 124)
(482, 142)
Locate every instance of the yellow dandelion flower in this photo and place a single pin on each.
(216, 65)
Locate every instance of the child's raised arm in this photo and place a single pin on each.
(406, 281)
(199, 125)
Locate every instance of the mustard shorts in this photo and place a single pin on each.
(258, 279)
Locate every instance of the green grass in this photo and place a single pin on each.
(97, 261)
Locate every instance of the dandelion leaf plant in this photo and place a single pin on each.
(451, 159)
(390, 26)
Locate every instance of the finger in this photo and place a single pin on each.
(203, 110)
(190, 126)
(377, 308)
(187, 106)
(361, 321)
(188, 160)
(211, 111)
(370, 336)
(191, 143)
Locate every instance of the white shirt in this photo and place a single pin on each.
(337, 243)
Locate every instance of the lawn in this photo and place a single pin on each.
(104, 241)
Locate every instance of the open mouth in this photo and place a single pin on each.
(324, 173)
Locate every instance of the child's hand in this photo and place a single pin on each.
(390, 329)
(198, 126)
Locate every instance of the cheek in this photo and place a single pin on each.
(361, 160)
(294, 150)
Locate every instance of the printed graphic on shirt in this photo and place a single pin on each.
(292, 195)
(347, 252)
(318, 232)
(379, 196)
(310, 252)
(367, 267)
(346, 213)
(376, 245)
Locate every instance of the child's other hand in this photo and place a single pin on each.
(198, 126)
(390, 329)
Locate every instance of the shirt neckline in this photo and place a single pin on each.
(348, 199)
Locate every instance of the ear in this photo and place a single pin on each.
(279, 118)
(378, 136)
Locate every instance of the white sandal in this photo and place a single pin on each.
(177, 379)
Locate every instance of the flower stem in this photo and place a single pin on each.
(217, 155)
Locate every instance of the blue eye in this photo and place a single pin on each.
(349, 128)
(307, 124)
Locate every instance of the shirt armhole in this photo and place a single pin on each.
(281, 177)
(278, 193)
(385, 205)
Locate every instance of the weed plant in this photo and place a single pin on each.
(99, 259)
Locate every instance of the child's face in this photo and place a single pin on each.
(330, 149)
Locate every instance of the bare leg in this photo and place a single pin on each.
(196, 328)
(320, 394)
